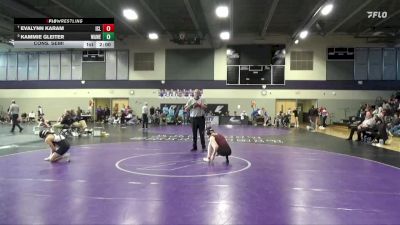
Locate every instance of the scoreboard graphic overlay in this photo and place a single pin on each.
(64, 33)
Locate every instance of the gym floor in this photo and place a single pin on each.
(135, 176)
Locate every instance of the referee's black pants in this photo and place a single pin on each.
(15, 122)
(145, 120)
(198, 123)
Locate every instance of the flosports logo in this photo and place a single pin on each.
(377, 14)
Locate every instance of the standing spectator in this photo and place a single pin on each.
(196, 105)
(313, 115)
(40, 112)
(180, 118)
(185, 117)
(158, 110)
(79, 112)
(289, 112)
(107, 113)
(296, 117)
(324, 114)
(98, 113)
(145, 114)
(13, 111)
(123, 115)
(152, 112)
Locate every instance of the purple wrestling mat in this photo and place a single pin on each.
(164, 183)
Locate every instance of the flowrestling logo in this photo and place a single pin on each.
(377, 14)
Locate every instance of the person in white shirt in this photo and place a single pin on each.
(145, 115)
(197, 106)
(243, 115)
(31, 116)
(365, 125)
(40, 112)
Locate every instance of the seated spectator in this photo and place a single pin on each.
(379, 133)
(78, 122)
(156, 118)
(64, 120)
(116, 119)
(278, 119)
(394, 126)
(243, 115)
(365, 125)
(31, 116)
(44, 123)
(131, 119)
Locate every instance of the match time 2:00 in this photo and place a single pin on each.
(101, 44)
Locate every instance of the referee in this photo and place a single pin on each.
(196, 106)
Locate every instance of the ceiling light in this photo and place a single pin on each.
(153, 36)
(222, 11)
(303, 34)
(296, 41)
(225, 35)
(327, 9)
(130, 14)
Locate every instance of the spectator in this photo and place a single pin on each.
(13, 112)
(145, 116)
(296, 117)
(364, 126)
(40, 112)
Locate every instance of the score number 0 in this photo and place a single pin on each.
(108, 27)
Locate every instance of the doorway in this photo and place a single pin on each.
(303, 105)
(115, 104)
(283, 105)
(118, 104)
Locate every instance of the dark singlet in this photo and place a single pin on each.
(295, 113)
(61, 143)
(224, 149)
